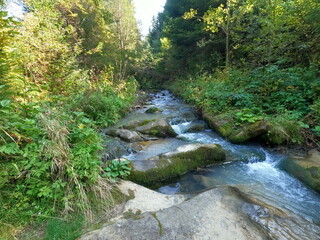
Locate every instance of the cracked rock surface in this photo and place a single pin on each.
(214, 214)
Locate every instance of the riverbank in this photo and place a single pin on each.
(240, 106)
(255, 173)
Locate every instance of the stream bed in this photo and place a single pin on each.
(283, 206)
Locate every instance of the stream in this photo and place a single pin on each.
(283, 206)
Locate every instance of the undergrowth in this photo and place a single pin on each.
(50, 156)
(287, 99)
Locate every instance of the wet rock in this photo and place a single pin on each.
(305, 169)
(222, 125)
(235, 134)
(172, 164)
(153, 110)
(115, 148)
(136, 147)
(248, 132)
(137, 123)
(125, 135)
(215, 214)
(196, 126)
(157, 128)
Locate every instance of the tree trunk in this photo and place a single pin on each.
(228, 35)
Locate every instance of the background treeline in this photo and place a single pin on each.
(65, 70)
(249, 60)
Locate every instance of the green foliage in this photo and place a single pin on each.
(204, 35)
(59, 229)
(117, 168)
(284, 129)
(104, 109)
(50, 156)
(63, 74)
(317, 130)
(9, 74)
(286, 98)
(247, 115)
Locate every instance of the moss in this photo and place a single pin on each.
(310, 176)
(145, 122)
(131, 215)
(222, 124)
(159, 223)
(137, 123)
(117, 196)
(153, 110)
(227, 127)
(282, 131)
(248, 131)
(160, 131)
(225, 130)
(178, 165)
(154, 132)
(131, 195)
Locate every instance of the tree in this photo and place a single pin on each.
(126, 34)
(226, 17)
(9, 72)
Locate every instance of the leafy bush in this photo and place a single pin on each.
(50, 161)
(254, 95)
(117, 168)
(104, 109)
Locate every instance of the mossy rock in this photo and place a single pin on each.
(221, 124)
(197, 126)
(284, 132)
(177, 163)
(125, 135)
(306, 170)
(158, 128)
(137, 123)
(153, 110)
(310, 176)
(248, 132)
(235, 133)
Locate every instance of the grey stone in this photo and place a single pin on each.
(215, 214)
(158, 128)
(125, 135)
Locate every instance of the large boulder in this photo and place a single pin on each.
(157, 128)
(235, 133)
(306, 169)
(131, 125)
(215, 214)
(153, 110)
(172, 164)
(248, 132)
(125, 135)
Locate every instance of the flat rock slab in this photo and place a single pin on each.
(146, 200)
(215, 214)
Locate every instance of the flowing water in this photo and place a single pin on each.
(281, 204)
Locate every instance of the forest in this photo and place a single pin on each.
(70, 68)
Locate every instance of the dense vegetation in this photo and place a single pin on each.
(247, 60)
(65, 71)
(68, 68)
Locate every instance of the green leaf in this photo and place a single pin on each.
(114, 174)
(5, 103)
